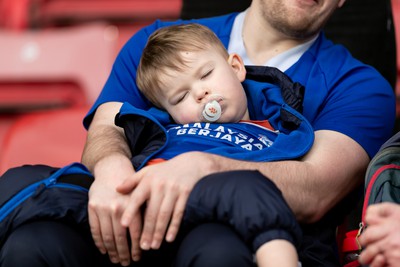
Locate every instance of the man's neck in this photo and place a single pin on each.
(261, 47)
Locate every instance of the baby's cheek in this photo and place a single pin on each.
(189, 116)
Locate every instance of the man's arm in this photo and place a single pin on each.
(107, 155)
(312, 186)
(104, 138)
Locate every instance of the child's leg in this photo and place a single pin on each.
(247, 201)
(279, 253)
(213, 245)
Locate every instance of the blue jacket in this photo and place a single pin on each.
(152, 134)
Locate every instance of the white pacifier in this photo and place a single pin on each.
(212, 111)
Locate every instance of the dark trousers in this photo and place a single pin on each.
(229, 215)
(247, 201)
(54, 244)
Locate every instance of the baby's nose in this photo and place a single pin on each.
(202, 94)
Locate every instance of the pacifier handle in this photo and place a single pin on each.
(212, 111)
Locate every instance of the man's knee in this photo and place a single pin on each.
(45, 243)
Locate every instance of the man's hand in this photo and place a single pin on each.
(106, 206)
(165, 188)
(381, 239)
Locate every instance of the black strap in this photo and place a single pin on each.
(76, 179)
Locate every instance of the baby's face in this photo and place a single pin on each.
(208, 77)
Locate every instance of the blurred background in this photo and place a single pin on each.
(55, 56)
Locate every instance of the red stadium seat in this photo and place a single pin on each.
(127, 15)
(55, 67)
(52, 12)
(14, 14)
(54, 138)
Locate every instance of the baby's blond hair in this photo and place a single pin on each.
(163, 52)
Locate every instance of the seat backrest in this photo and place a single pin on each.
(54, 138)
(55, 67)
(64, 12)
(14, 14)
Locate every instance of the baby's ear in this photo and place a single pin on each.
(237, 65)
